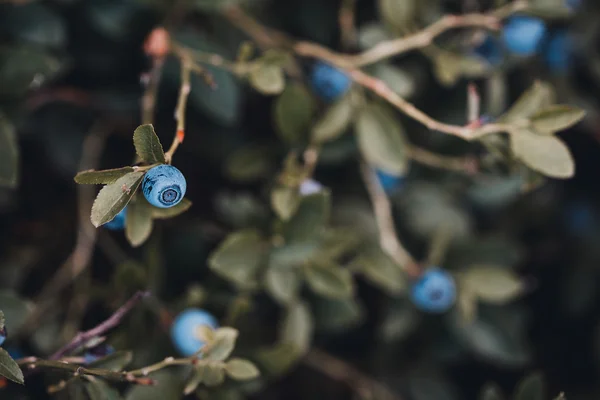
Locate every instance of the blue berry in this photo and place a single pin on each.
(491, 50)
(97, 352)
(118, 222)
(523, 35)
(389, 182)
(434, 291)
(558, 52)
(15, 353)
(184, 331)
(2, 335)
(164, 186)
(328, 82)
(310, 186)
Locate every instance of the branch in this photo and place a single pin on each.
(99, 330)
(184, 91)
(388, 238)
(365, 386)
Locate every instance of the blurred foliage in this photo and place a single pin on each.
(276, 236)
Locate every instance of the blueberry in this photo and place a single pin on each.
(558, 51)
(328, 82)
(100, 351)
(389, 182)
(491, 50)
(15, 353)
(184, 331)
(164, 186)
(118, 222)
(310, 186)
(434, 291)
(523, 35)
(2, 335)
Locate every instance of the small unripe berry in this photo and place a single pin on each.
(118, 222)
(328, 82)
(558, 51)
(434, 291)
(164, 186)
(185, 330)
(523, 35)
(389, 182)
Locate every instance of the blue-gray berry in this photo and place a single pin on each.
(524, 35)
(185, 332)
(118, 222)
(434, 291)
(164, 186)
(328, 82)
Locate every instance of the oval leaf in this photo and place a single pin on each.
(100, 390)
(114, 197)
(397, 14)
(107, 176)
(545, 154)
(138, 224)
(222, 344)
(297, 327)
(147, 145)
(293, 112)
(9, 368)
(285, 201)
(556, 118)
(382, 140)
(213, 374)
(283, 284)
(335, 121)
(310, 219)
(241, 370)
(381, 270)
(493, 284)
(329, 280)
(267, 78)
(538, 96)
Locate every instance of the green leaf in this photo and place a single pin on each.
(310, 220)
(545, 154)
(276, 360)
(293, 113)
(194, 380)
(267, 78)
(297, 327)
(285, 201)
(9, 153)
(107, 176)
(491, 392)
(239, 257)
(100, 390)
(138, 224)
(213, 374)
(24, 68)
(556, 118)
(382, 271)
(335, 121)
(292, 255)
(537, 97)
(147, 145)
(492, 284)
(382, 140)
(241, 370)
(222, 344)
(114, 197)
(171, 212)
(113, 362)
(396, 78)
(531, 388)
(466, 303)
(398, 14)
(283, 284)
(249, 164)
(336, 316)
(9, 368)
(329, 279)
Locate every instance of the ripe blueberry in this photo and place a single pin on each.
(523, 35)
(490, 50)
(389, 182)
(118, 222)
(310, 186)
(164, 186)
(185, 330)
(434, 291)
(558, 51)
(328, 82)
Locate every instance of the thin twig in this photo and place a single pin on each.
(363, 385)
(184, 91)
(467, 165)
(99, 330)
(388, 238)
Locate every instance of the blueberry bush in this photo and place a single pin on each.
(305, 199)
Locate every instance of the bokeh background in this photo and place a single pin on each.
(71, 67)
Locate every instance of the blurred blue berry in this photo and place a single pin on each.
(164, 186)
(2, 335)
(328, 82)
(97, 352)
(523, 35)
(310, 186)
(15, 353)
(118, 222)
(558, 51)
(491, 50)
(389, 182)
(434, 291)
(184, 331)
(579, 218)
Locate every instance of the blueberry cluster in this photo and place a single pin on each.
(434, 291)
(185, 333)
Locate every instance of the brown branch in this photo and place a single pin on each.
(184, 91)
(467, 165)
(388, 238)
(365, 386)
(99, 330)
